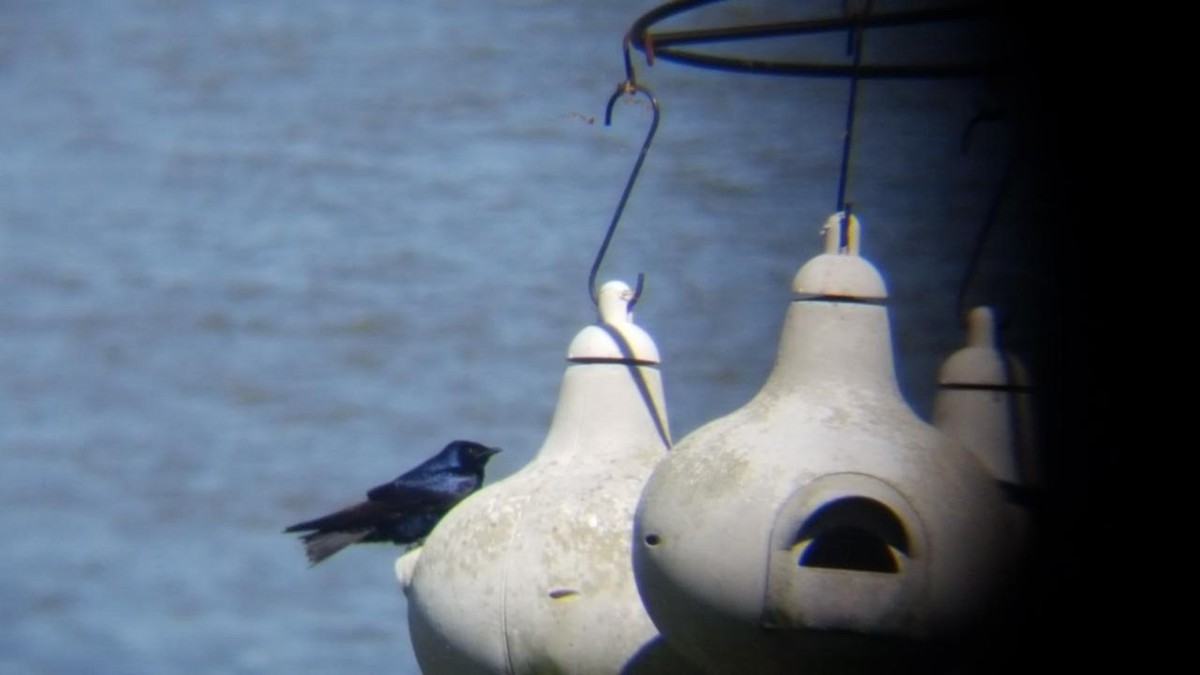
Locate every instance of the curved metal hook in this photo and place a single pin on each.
(627, 88)
(989, 112)
(971, 273)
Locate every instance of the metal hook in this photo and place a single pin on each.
(975, 261)
(987, 113)
(627, 88)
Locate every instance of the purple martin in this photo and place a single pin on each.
(403, 511)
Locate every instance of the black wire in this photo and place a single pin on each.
(855, 46)
(665, 44)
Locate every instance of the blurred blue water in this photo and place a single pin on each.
(257, 257)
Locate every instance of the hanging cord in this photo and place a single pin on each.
(629, 87)
(854, 44)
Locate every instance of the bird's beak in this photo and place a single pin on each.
(492, 451)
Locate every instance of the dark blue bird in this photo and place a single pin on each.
(405, 510)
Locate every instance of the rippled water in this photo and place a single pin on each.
(257, 257)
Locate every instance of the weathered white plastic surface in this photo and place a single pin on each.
(737, 531)
(533, 574)
(597, 341)
(841, 271)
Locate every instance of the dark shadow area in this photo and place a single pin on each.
(1052, 612)
(656, 656)
(854, 533)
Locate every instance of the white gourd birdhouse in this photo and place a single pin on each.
(533, 573)
(983, 402)
(823, 526)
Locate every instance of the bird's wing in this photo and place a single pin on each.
(361, 516)
(442, 490)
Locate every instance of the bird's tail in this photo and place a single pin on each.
(320, 545)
